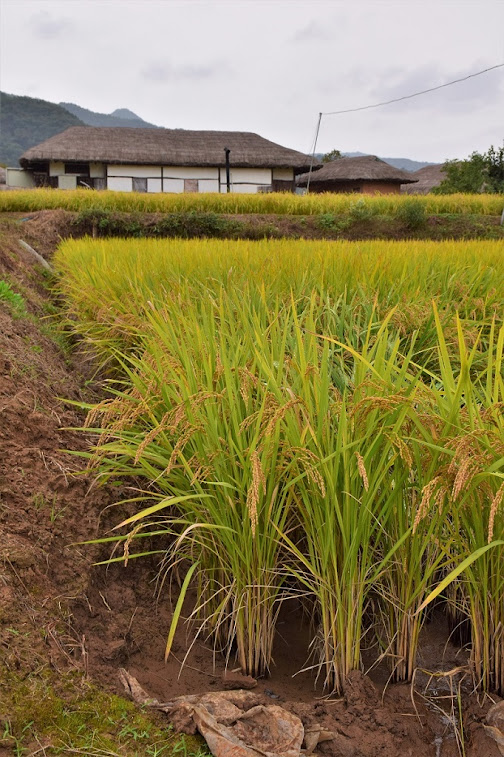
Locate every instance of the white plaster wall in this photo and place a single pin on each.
(120, 183)
(243, 188)
(173, 185)
(56, 168)
(248, 176)
(67, 182)
(209, 185)
(18, 177)
(138, 172)
(154, 185)
(97, 171)
(283, 174)
(190, 172)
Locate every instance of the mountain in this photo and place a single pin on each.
(26, 121)
(120, 117)
(126, 113)
(404, 164)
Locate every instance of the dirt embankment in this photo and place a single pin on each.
(47, 227)
(66, 625)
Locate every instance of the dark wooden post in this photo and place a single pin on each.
(228, 172)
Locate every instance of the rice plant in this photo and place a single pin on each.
(469, 477)
(306, 422)
(79, 200)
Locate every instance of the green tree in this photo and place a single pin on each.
(333, 155)
(478, 173)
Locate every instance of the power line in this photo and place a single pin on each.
(389, 102)
(415, 94)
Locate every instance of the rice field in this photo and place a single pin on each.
(311, 422)
(276, 203)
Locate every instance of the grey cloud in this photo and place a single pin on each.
(161, 72)
(46, 26)
(313, 32)
(341, 89)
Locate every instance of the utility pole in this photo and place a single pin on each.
(313, 153)
(228, 172)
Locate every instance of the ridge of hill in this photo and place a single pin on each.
(120, 117)
(26, 121)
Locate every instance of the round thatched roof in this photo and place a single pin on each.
(362, 168)
(172, 147)
(427, 178)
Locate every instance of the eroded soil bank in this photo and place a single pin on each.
(66, 627)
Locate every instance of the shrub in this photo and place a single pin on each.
(411, 213)
(362, 210)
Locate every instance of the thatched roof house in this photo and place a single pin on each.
(163, 160)
(427, 178)
(367, 174)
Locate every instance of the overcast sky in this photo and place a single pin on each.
(270, 66)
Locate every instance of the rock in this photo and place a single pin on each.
(232, 680)
(495, 724)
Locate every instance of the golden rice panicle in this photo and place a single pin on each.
(257, 487)
(362, 470)
(310, 462)
(151, 436)
(494, 506)
(423, 508)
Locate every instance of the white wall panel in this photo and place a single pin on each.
(249, 175)
(209, 185)
(56, 168)
(120, 183)
(18, 177)
(173, 185)
(243, 188)
(97, 171)
(138, 172)
(154, 185)
(67, 182)
(190, 172)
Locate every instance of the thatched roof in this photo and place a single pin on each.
(173, 147)
(362, 168)
(427, 178)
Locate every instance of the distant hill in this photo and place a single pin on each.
(120, 117)
(404, 164)
(26, 121)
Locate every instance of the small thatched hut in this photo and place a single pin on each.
(427, 178)
(367, 174)
(162, 160)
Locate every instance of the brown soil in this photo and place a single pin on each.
(68, 614)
